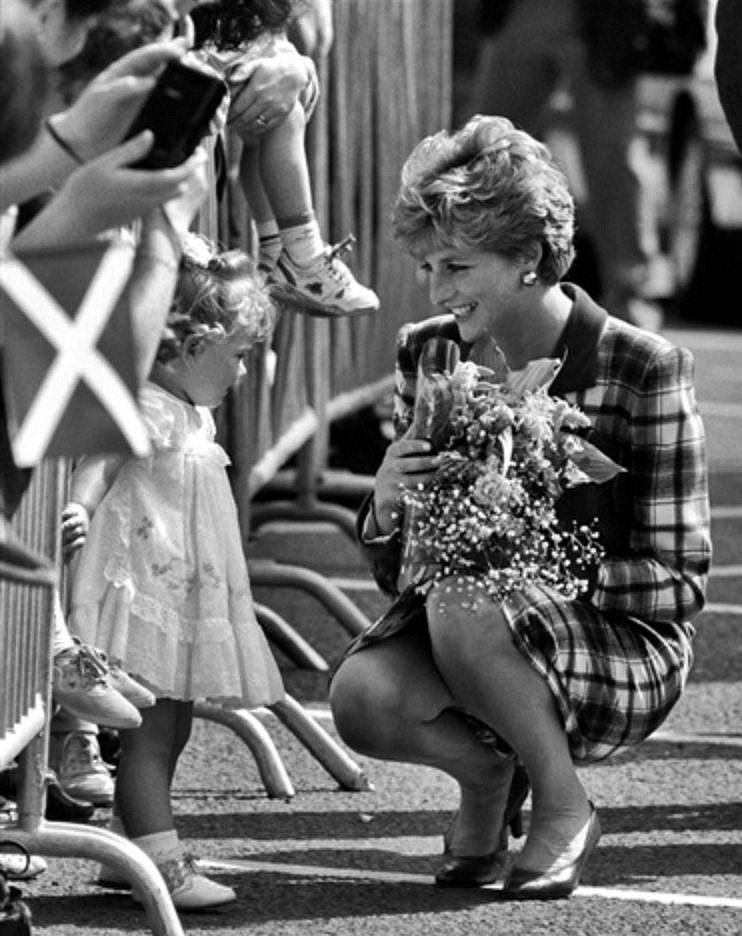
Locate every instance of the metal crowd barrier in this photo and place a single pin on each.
(28, 592)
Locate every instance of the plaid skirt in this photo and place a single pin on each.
(614, 678)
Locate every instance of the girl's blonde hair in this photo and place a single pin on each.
(217, 294)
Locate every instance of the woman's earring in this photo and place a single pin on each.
(529, 279)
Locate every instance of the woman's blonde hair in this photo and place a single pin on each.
(487, 187)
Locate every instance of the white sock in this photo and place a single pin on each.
(269, 245)
(160, 846)
(302, 242)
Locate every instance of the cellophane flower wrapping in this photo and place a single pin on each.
(507, 450)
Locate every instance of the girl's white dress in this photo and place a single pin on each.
(161, 583)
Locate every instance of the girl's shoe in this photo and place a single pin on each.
(191, 891)
(558, 881)
(477, 870)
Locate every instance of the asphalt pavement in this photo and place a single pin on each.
(331, 861)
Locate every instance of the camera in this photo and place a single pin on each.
(178, 111)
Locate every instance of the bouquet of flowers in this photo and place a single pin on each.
(506, 452)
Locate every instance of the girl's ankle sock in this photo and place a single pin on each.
(160, 846)
(302, 242)
(269, 245)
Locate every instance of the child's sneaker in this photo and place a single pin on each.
(325, 287)
(81, 684)
(189, 889)
(82, 773)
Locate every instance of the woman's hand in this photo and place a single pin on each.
(270, 86)
(407, 463)
(75, 526)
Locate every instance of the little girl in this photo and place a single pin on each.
(161, 581)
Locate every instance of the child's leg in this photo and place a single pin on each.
(284, 175)
(269, 239)
(149, 756)
(308, 272)
(146, 767)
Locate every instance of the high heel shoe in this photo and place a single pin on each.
(477, 870)
(524, 884)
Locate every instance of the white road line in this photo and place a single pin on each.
(726, 571)
(720, 607)
(680, 737)
(726, 512)
(389, 877)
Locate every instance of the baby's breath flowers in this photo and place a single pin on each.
(508, 452)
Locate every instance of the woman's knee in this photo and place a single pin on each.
(464, 622)
(363, 704)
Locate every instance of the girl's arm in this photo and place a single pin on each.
(91, 480)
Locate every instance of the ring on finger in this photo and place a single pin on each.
(261, 120)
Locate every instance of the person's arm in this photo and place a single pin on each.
(664, 578)
(154, 278)
(312, 30)
(91, 479)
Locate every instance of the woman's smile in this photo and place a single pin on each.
(477, 287)
(463, 312)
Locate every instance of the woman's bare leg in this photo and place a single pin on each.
(488, 675)
(389, 702)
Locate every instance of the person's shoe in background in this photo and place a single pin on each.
(18, 865)
(82, 773)
(139, 696)
(58, 806)
(81, 684)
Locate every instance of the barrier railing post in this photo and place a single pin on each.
(28, 583)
